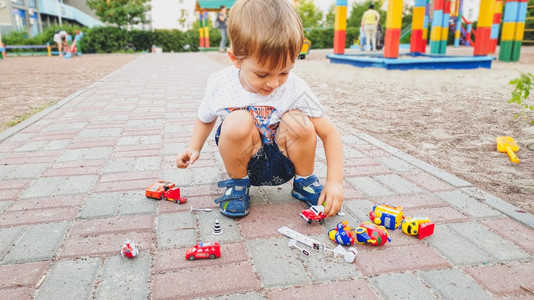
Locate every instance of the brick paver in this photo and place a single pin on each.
(72, 184)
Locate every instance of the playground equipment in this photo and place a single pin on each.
(75, 48)
(485, 42)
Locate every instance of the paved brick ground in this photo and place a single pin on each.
(72, 190)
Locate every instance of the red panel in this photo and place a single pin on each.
(339, 41)
(391, 46)
(482, 41)
(416, 40)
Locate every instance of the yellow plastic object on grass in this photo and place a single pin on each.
(508, 145)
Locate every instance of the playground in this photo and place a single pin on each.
(447, 118)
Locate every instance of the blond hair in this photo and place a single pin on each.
(267, 30)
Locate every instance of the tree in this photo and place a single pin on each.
(183, 18)
(330, 17)
(311, 15)
(120, 12)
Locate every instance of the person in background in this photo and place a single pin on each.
(60, 37)
(369, 23)
(221, 17)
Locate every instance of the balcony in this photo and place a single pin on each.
(50, 7)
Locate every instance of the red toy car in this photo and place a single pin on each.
(314, 213)
(165, 190)
(202, 250)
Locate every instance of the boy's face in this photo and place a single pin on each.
(260, 78)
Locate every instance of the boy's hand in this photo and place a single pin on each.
(333, 197)
(186, 158)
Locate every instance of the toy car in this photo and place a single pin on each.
(314, 213)
(370, 233)
(157, 189)
(203, 250)
(387, 215)
(129, 250)
(421, 227)
(165, 190)
(342, 234)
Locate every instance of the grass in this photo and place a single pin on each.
(18, 119)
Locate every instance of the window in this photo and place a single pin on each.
(20, 19)
(31, 3)
(21, 2)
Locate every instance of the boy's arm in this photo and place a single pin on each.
(201, 131)
(333, 147)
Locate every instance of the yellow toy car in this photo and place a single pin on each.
(421, 227)
(387, 215)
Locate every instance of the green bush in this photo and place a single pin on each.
(105, 39)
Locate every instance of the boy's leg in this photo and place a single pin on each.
(239, 140)
(297, 140)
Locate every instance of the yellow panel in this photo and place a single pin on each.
(508, 31)
(435, 34)
(519, 31)
(418, 18)
(394, 16)
(340, 22)
(485, 15)
(444, 33)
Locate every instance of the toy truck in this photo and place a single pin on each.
(421, 227)
(387, 215)
(165, 190)
(314, 213)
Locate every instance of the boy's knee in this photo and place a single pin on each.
(238, 124)
(297, 124)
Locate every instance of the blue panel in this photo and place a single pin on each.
(438, 17)
(423, 61)
(418, 3)
(510, 12)
(522, 12)
(341, 2)
(494, 31)
(445, 22)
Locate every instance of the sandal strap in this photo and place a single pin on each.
(310, 180)
(232, 194)
(234, 182)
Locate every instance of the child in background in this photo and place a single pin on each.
(270, 118)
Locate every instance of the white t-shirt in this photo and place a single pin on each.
(224, 94)
(57, 36)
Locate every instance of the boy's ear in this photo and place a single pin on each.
(234, 59)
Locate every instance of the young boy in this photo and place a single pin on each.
(270, 117)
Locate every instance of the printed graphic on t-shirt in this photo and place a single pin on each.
(262, 116)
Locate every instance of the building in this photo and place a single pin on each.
(35, 15)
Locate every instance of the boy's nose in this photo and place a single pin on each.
(273, 83)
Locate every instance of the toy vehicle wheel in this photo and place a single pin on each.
(321, 221)
(309, 221)
(212, 256)
(175, 201)
(163, 198)
(191, 257)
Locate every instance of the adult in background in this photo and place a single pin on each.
(369, 23)
(221, 18)
(60, 37)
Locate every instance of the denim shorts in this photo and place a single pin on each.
(269, 166)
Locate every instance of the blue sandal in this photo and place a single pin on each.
(306, 191)
(235, 202)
